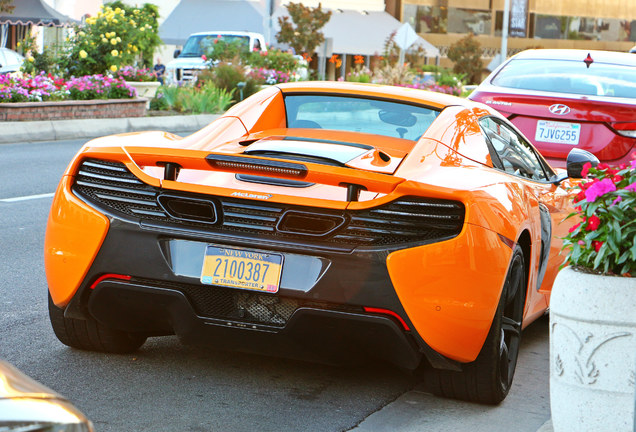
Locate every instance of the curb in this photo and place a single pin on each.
(51, 130)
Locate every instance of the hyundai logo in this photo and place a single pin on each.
(559, 109)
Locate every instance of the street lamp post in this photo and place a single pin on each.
(504, 31)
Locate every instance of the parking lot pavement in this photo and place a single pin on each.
(51, 130)
(526, 409)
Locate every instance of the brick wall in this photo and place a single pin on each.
(68, 110)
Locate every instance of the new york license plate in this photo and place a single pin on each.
(558, 132)
(242, 268)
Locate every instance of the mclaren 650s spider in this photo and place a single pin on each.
(317, 218)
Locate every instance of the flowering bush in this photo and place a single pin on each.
(117, 36)
(36, 88)
(46, 87)
(269, 76)
(131, 73)
(99, 87)
(273, 58)
(605, 239)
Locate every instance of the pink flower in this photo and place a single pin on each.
(631, 187)
(581, 243)
(599, 189)
(203, 57)
(616, 201)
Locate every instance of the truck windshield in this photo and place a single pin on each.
(198, 45)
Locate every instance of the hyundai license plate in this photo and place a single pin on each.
(242, 268)
(558, 132)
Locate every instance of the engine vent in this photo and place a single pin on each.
(112, 186)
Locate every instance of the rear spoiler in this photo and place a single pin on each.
(173, 160)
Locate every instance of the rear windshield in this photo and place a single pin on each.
(567, 76)
(355, 114)
(198, 45)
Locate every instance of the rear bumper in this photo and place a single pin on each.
(310, 333)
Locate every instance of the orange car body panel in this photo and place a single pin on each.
(451, 310)
(74, 234)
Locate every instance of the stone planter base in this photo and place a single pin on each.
(592, 352)
(67, 110)
(145, 89)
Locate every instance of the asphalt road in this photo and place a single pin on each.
(170, 387)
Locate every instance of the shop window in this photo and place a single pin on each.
(469, 21)
(426, 19)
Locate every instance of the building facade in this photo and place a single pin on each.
(588, 24)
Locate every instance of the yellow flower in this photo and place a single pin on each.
(117, 10)
(19, 43)
(104, 40)
(113, 68)
(82, 34)
(134, 48)
(113, 41)
(115, 21)
(136, 11)
(31, 59)
(83, 54)
(114, 53)
(118, 39)
(102, 36)
(142, 29)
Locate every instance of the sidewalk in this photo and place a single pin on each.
(51, 130)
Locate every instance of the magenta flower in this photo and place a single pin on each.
(599, 189)
(631, 187)
(616, 201)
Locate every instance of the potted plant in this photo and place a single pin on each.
(593, 307)
(141, 79)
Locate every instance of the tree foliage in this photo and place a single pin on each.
(303, 32)
(6, 6)
(466, 53)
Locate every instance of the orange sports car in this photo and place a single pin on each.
(316, 219)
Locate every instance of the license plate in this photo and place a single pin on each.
(242, 268)
(558, 132)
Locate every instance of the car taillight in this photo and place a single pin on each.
(627, 129)
(109, 276)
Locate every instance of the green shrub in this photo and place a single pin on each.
(466, 53)
(227, 76)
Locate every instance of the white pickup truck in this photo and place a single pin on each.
(188, 61)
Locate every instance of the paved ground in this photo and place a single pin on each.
(527, 408)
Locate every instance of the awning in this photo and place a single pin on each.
(363, 33)
(192, 16)
(34, 12)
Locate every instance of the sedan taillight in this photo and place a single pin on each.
(627, 129)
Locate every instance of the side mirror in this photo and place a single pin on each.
(576, 159)
(176, 53)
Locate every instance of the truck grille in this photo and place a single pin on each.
(112, 186)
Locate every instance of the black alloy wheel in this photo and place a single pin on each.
(488, 379)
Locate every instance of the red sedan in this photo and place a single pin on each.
(561, 99)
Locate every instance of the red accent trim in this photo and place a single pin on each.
(505, 240)
(388, 312)
(109, 276)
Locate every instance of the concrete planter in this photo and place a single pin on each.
(592, 352)
(145, 89)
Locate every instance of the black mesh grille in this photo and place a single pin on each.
(244, 306)
(402, 221)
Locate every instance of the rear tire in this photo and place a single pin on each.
(488, 379)
(90, 335)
